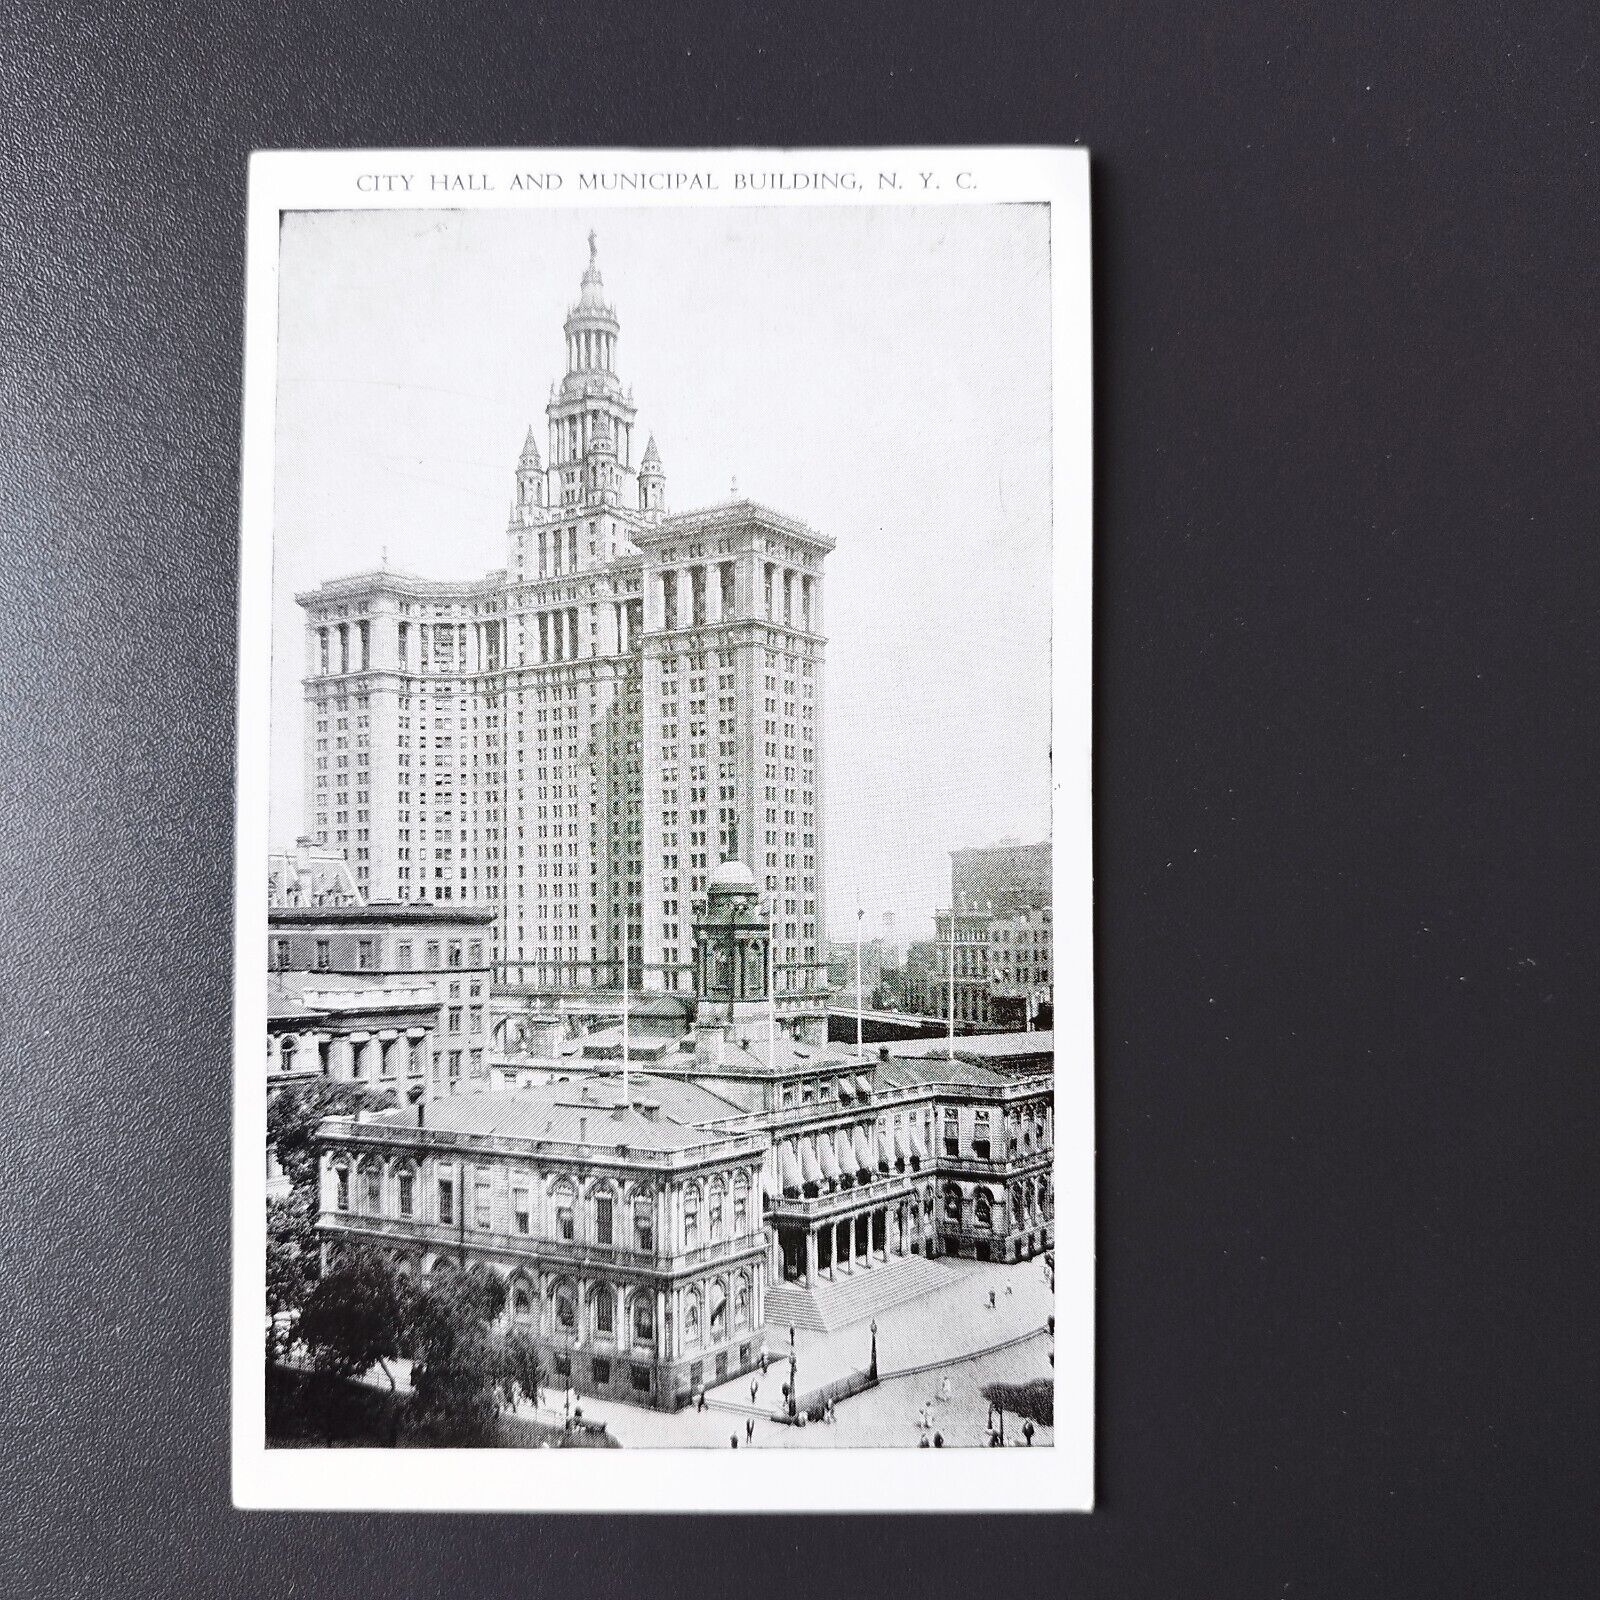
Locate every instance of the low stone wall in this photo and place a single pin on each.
(813, 1404)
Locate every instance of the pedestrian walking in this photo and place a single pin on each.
(1027, 1432)
(699, 1399)
(733, 1440)
(755, 1384)
(749, 1429)
(991, 1299)
(938, 1441)
(765, 1358)
(1008, 1290)
(923, 1442)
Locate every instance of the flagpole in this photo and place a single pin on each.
(626, 1098)
(772, 1006)
(860, 913)
(951, 1037)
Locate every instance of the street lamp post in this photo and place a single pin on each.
(873, 1371)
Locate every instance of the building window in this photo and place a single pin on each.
(691, 1323)
(341, 1197)
(605, 1311)
(719, 1313)
(402, 957)
(455, 1063)
(641, 1379)
(433, 953)
(374, 1191)
(644, 1319)
(741, 1308)
(741, 1207)
(322, 955)
(601, 1368)
(483, 1213)
(564, 1228)
(519, 1205)
(364, 960)
(982, 1209)
(521, 1305)
(415, 1066)
(644, 1231)
(714, 1210)
(980, 1135)
(455, 952)
(952, 1134)
(405, 1187)
(952, 1205)
(602, 1219)
(280, 954)
(691, 1216)
(562, 1363)
(447, 1200)
(566, 1307)
(475, 954)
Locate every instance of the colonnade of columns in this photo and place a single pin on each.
(369, 1056)
(864, 1239)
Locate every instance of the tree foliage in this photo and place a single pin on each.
(294, 1113)
(356, 1316)
(463, 1368)
(292, 1259)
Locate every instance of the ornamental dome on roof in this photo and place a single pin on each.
(530, 451)
(651, 457)
(730, 878)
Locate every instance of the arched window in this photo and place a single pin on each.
(983, 1209)
(566, 1303)
(603, 1310)
(644, 1318)
(952, 1204)
(521, 1304)
(564, 1199)
(644, 1226)
(719, 1312)
(714, 1209)
(372, 1189)
(691, 1322)
(691, 1216)
(604, 1215)
(741, 1302)
(341, 1187)
(741, 1204)
(286, 1050)
(1019, 1205)
(405, 1188)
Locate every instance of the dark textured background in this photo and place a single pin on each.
(1346, 408)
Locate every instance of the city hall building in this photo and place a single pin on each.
(577, 740)
(651, 1227)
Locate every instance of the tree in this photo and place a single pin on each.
(463, 1367)
(356, 1319)
(294, 1114)
(291, 1269)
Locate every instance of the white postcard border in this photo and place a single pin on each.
(856, 1480)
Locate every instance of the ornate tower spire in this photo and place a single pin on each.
(530, 480)
(652, 480)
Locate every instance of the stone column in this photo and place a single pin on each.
(713, 583)
(811, 1258)
(274, 1054)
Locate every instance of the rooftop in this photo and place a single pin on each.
(660, 1114)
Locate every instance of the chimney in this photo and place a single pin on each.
(583, 1130)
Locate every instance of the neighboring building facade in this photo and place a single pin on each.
(577, 740)
(1000, 879)
(1000, 923)
(348, 965)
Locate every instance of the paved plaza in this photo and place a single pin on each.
(955, 1326)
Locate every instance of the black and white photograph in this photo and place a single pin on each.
(672, 1034)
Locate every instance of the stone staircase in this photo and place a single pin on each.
(854, 1296)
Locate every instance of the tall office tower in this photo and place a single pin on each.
(578, 741)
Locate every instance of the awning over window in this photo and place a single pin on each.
(918, 1148)
(808, 1165)
(830, 1167)
(846, 1092)
(789, 1168)
(863, 1087)
(902, 1151)
(864, 1155)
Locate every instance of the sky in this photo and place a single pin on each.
(882, 374)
